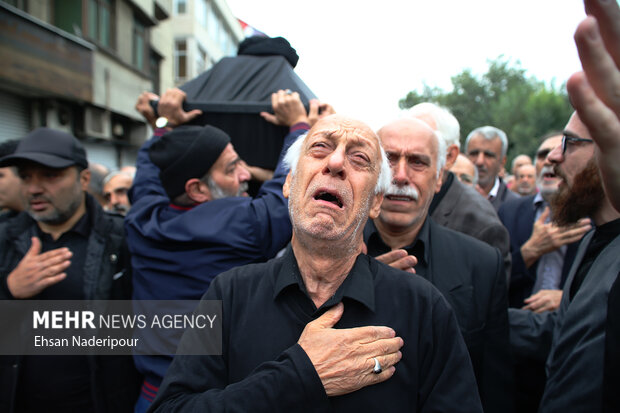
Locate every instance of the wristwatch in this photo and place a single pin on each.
(161, 122)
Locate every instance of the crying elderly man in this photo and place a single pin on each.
(325, 327)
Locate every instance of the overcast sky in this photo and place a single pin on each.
(363, 56)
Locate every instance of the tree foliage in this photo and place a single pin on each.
(504, 97)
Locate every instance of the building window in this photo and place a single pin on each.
(68, 16)
(101, 22)
(20, 4)
(201, 59)
(139, 44)
(180, 60)
(180, 6)
(201, 10)
(155, 61)
(203, 62)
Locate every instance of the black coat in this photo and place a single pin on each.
(471, 276)
(114, 378)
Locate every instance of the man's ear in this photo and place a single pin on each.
(286, 188)
(375, 207)
(197, 191)
(84, 179)
(451, 155)
(439, 180)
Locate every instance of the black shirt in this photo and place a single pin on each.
(419, 248)
(70, 391)
(266, 307)
(611, 372)
(603, 235)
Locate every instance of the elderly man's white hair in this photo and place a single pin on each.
(445, 122)
(442, 147)
(385, 173)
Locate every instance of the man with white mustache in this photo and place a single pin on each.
(468, 272)
(325, 327)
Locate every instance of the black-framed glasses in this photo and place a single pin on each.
(572, 139)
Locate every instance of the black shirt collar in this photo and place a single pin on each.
(358, 285)
(417, 248)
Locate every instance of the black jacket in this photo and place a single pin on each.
(470, 275)
(115, 381)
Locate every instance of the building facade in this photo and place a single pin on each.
(203, 32)
(79, 65)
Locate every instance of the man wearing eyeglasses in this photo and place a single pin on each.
(572, 339)
(542, 255)
(542, 252)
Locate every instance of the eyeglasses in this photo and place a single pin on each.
(572, 139)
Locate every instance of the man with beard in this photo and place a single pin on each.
(542, 252)
(486, 147)
(116, 187)
(280, 351)
(191, 217)
(542, 255)
(469, 273)
(572, 339)
(62, 247)
(594, 93)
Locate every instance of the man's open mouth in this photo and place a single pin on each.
(329, 196)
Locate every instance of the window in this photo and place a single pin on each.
(139, 44)
(68, 16)
(100, 22)
(20, 4)
(201, 12)
(213, 24)
(203, 62)
(154, 61)
(180, 60)
(180, 6)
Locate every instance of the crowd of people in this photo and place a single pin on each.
(373, 270)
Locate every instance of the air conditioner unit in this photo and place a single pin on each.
(60, 117)
(97, 123)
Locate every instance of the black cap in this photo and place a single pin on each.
(48, 147)
(186, 152)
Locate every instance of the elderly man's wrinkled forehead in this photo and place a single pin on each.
(338, 126)
(411, 127)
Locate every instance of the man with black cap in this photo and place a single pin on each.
(63, 247)
(191, 217)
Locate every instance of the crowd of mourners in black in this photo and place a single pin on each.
(393, 269)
